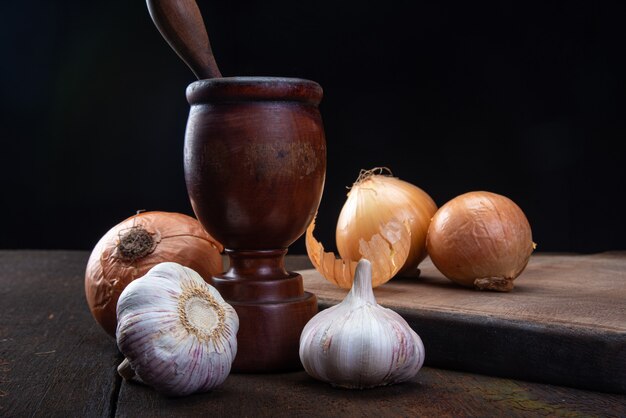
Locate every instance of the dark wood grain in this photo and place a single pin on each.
(433, 393)
(255, 159)
(564, 323)
(182, 26)
(55, 360)
(255, 165)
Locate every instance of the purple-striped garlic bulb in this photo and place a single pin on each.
(359, 344)
(177, 333)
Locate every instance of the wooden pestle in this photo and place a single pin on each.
(181, 24)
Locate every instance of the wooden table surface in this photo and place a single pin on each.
(565, 310)
(56, 362)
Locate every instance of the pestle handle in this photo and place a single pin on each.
(181, 24)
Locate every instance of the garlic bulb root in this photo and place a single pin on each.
(176, 331)
(359, 344)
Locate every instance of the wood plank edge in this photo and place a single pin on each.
(578, 358)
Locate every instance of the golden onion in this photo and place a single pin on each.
(375, 199)
(384, 220)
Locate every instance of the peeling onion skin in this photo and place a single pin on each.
(480, 239)
(375, 199)
(386, 251)
(177, 237)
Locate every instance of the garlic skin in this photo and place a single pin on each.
(359, 344)
(177, 333)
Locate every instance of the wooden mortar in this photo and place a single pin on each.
(255, 164)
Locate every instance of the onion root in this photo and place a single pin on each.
(498, 284)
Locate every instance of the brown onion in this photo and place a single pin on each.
(132, 247)
(480, 239)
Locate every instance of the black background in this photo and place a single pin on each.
(526, 99)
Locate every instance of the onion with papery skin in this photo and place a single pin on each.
(132, 247)
(373, 200)
(480, 239)
(387, 251)
(384, 220)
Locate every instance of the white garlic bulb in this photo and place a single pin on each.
(358, 343)
(177, 333)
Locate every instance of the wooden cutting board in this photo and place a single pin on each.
(563, 323)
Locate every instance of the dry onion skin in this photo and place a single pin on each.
(384, 220)
(131, 248)
(480, 239)
(374, 199)
(386, 251)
